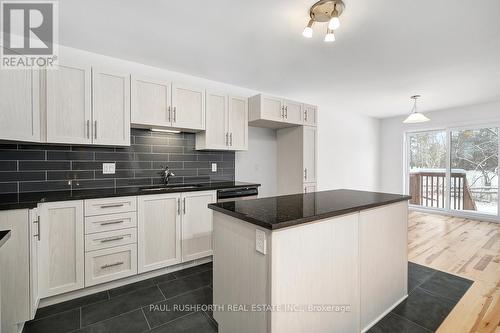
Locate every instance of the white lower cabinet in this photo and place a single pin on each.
(197, 225)
(34, 233)
(110, 264)
(14, 270)
(158, 231)
(61, 247)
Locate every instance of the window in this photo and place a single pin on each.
(455, 169)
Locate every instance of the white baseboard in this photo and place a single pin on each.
(370, 325)
(118, 283)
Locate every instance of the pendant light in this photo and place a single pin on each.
(415, 116)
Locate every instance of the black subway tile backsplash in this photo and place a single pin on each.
(26, 168)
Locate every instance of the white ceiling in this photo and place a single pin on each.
(386, 50)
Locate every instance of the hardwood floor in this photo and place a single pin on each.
(467, 248)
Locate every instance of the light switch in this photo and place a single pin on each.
(260, 241)
(214, 167)
(108, 168)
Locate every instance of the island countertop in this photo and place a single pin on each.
(291, 210)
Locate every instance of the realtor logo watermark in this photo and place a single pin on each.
(29, 34)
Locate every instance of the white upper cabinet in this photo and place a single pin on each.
(275, 112)
(19, 107)
(238, 123)
(188, 107)
(309, 115)
(216, 134)
(111, 107)
(226, 123)
(151, 101)
(68, 104)
(309, 152)
(272, 108)
(292, 112)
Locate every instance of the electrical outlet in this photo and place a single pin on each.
(260, 241)
(108, 168)
(214, 167)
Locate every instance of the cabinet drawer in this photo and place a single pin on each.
(110, 222)
(110, 205)
(110, 264)
(104, 240)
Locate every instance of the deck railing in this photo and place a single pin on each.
(428, 188)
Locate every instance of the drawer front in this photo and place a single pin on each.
(110, 206)
(110, 222)
(110, 264)
(104, 240)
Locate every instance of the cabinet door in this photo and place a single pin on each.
(293, 112)
(111, 107)
(271, 108)
(310, 113)
(309, 187)
(309, 154)
(34, 228)
(216, 132)
(61, 247)
(197, 225)
(238, 123)
(188, 107)
(68, 104)
(158, 231)
(150, 101)
(19, 107)
(14, 270)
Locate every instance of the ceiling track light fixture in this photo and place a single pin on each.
(325, 11)
(415, 116)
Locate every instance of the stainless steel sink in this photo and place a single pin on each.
(167, 188)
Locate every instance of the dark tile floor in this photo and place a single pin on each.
(168, 303)
(431, 297)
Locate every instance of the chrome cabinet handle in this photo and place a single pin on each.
(112, 205)
(184, 205)
(305, 115)
(227, 138)
(282, 112)
(169, 114)
(231, 139)
(175, 114)
(38, 227)
(112, 222)
(88, 129)
(286, 112)
(95, 129)
(305, 173)
(305, 190)
(112, 239)
(178, 206)
(112, 265)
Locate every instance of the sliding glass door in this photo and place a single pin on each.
(474, 169)
(427, 168)
(455, 169)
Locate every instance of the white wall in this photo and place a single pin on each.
(393, 131)
(259, 163)
(348, 151)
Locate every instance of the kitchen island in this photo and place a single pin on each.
(331, 261)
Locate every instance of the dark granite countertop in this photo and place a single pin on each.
(32, 199)
(4, 236)
(289, 210)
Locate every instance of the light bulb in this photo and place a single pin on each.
(334, 23)
(308, 31)
(329, 37)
